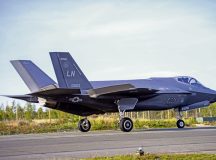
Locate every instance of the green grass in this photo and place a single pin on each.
(160, 157)
(31, 127)
(100, 123)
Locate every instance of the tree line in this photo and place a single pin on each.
(29, 111)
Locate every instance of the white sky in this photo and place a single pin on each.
(110, 40)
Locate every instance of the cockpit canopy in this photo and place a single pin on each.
(189, 81)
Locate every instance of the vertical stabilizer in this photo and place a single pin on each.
(67, 71)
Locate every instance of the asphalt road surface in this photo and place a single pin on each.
(105, 143)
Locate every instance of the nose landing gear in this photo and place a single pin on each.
(180, 123)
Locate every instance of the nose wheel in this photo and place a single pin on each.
(180, 123)
(84, 125)
(126, 124)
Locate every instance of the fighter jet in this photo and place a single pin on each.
(75, 94)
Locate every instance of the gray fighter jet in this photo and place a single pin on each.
(76, 95)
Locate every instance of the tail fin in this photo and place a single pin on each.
(68, 73)
(33, 76)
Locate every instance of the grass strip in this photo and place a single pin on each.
(159, 157)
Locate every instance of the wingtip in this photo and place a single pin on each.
(58, 52)
(12, 61)
(15, 61)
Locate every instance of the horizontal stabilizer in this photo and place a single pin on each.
(32, 75)
(56, 92)
(27, 98)
(94, 93)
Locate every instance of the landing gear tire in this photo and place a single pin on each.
(126, 124)
(180, 123)
(84, 125)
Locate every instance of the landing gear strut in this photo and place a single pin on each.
(126, 124)
(180, 123)
(84, 125)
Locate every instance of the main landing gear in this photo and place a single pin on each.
(84, 125)
(180, 123)
(126, 124)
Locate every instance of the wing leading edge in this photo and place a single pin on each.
(94, 93)
(122, 89)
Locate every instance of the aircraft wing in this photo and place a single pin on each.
(56, 92)
(123, 88)
(128, 89)
(94, 93)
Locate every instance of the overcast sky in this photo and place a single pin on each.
(110, 40)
